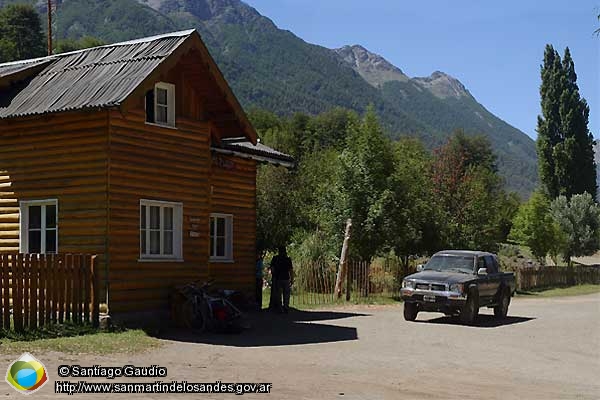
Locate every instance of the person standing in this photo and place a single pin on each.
(283, 274)
(259, 278)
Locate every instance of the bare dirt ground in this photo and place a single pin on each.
(546, 349)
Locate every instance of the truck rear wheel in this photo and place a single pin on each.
(501, 310)
(410, 311)
(468, 314)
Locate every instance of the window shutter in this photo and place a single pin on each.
(229, 236)
(171, 111)
(150, 106)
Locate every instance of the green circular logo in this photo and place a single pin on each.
(27, 374)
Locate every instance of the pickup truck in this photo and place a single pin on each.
(458, 282)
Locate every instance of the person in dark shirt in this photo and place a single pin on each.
(283, 275)
(259, 278)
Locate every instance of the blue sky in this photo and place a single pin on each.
(494, 48)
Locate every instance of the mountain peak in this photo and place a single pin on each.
(443, 85)
(375, 69)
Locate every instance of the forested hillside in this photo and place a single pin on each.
(273, 69)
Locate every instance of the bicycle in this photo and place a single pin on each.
(200, 311)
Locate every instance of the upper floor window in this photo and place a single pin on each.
(39, 226)
(160, 104)
(160, 229)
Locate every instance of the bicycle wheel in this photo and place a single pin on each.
(193, 318)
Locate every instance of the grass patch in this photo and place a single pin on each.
(308, 301)
(577, 290)
(73, 339)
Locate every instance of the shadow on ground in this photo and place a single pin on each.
(275, 329)
(483, 321)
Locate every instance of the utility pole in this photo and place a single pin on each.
(49, 27)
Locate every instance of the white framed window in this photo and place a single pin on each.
(160, 230)
(160, 104)
(221, 237)
(39, 226)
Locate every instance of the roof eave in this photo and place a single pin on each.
(260, 158)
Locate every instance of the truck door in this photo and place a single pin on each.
(493, 276)
(483, 283)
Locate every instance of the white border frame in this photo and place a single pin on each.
(171, 106)
(24, 222)
(177, 231)
(228, 258)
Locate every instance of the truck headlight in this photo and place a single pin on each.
(456, 288)
(406, 284)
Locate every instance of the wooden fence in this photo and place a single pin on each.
(314, 282)
(41, 289)
(382, 277)
(543, 277)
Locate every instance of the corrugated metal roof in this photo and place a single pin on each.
(13, 68)
(241, 145)
(98, 77)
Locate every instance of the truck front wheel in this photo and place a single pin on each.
(468, 314)
(410, 311)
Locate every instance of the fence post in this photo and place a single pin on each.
(17, 284)
(95, 293)
(343, 260)
(33, 286)
(4, 307)
(348, 279)
(84, 265)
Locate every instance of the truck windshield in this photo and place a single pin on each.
(451, 262)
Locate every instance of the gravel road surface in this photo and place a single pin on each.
(546, 349)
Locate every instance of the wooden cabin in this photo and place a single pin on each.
(138, 152)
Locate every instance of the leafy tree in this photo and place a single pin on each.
(564, 144)
(329, 129)
(467, 190)
(534, 227)
(508, 205)
(365, 165)
(411, 226)
(8, 50)
(579, 219)
(277, 214)
(21, 33)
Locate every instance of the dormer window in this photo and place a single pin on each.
(160, 104)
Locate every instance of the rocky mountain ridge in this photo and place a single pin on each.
(274, 69)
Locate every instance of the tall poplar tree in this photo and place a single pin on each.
(564, 144)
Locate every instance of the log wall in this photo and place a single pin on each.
(155, 163)
(233, 182)
(64, 157)
(161, 163)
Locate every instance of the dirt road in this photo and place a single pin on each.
(547, 349)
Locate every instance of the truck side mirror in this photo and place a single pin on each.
(482, 271)
(420, 267)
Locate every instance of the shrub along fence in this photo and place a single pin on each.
(543, 277)
(315, 281)
(42, 289)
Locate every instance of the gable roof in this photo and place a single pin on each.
(100, 77)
